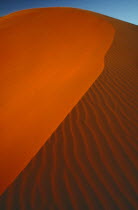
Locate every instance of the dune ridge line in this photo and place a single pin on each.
(49, 59)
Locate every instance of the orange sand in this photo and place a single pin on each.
(49, 59)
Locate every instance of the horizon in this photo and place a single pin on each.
(124, 10)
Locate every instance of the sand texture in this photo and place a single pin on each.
(90, 161)
(49, 59)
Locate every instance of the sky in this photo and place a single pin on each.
(126, 10)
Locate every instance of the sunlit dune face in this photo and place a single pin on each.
(48, 60)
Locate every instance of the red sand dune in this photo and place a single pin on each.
(90, 161)
(49, 59)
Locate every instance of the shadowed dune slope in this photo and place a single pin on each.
(49, 59)
(90, 161)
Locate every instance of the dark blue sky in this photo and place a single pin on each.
(126, 10)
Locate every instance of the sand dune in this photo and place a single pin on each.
(89, 162)
(49, 59)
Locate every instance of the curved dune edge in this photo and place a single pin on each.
(50, 57)
(90, 161)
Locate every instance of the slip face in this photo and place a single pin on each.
(49, 59)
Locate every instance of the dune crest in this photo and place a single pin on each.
(49, 59)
